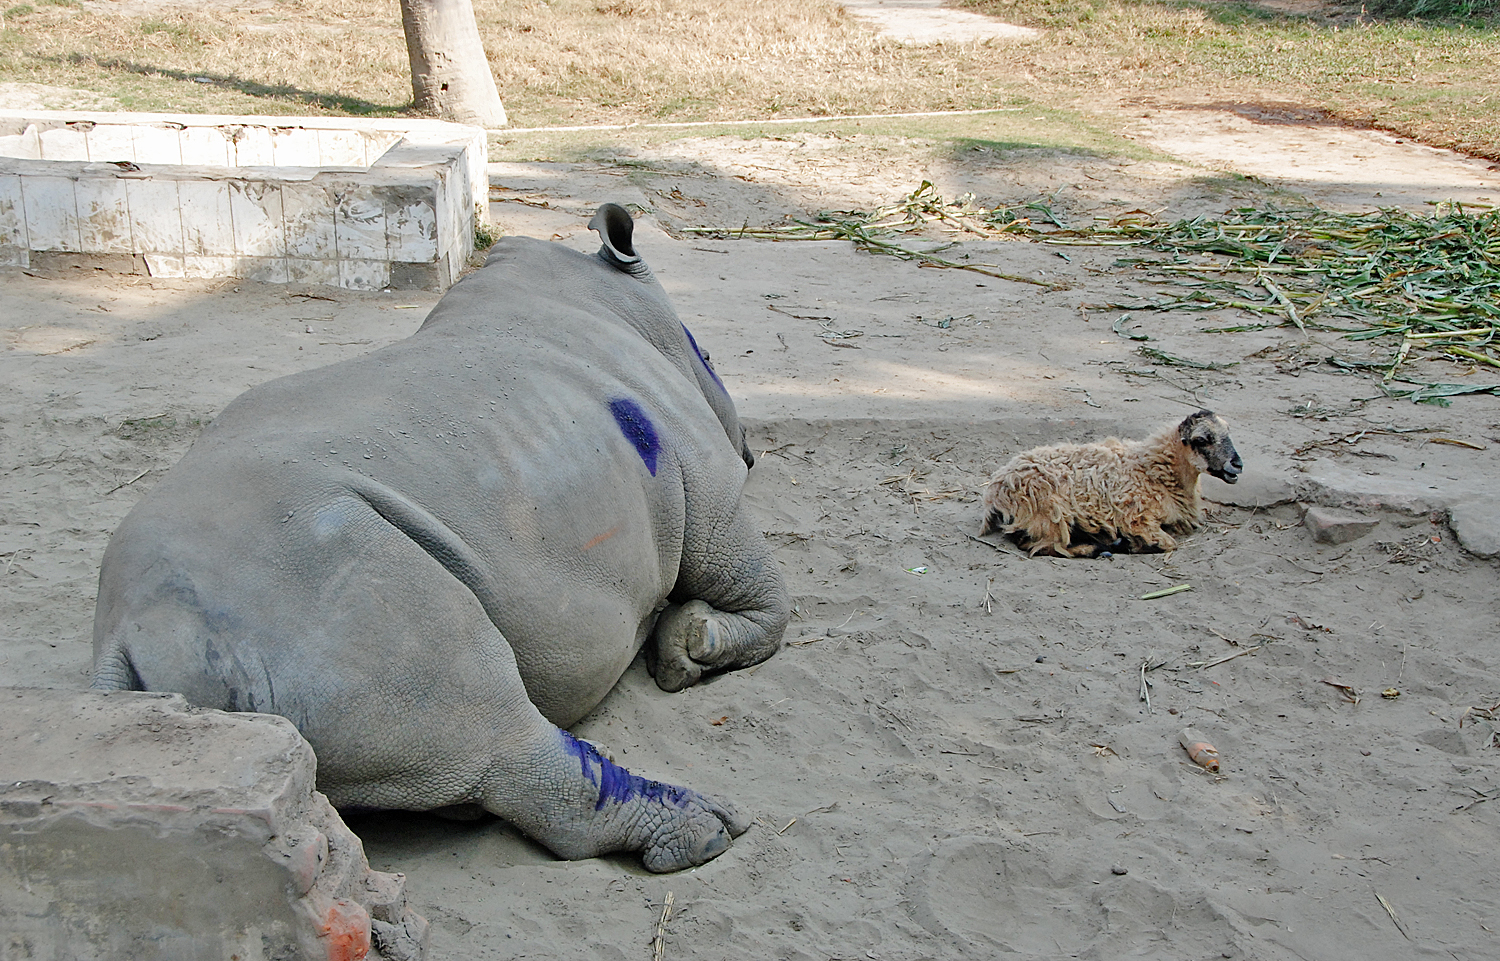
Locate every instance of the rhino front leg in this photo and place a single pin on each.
(729, 609)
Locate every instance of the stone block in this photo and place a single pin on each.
(1476, 524)
(209, 266)
(1329, 526)
(134, 826)
(341, 148)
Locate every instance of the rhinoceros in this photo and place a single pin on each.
(435, 558)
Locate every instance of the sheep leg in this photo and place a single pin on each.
(1152, 539)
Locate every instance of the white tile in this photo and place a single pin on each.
(341, 148)
(360, 224)
(413, 232)
(201, 267)
(294, 147)
(300, 271)
(267, 270)
(250, 146)
(255, 209)
(157, 143)
(308, 210)
(165, 265)
(155, 217)
(207, 227)
(205, 147)
(364, 274)
(51, 212)
(12, 212)
(111, 143)
(64, 143)
(103, 215)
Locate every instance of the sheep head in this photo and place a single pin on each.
(1206, 438)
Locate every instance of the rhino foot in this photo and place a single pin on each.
(686, 639)
(599, 807)
(693, 833)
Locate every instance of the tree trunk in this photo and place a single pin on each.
(450, 75)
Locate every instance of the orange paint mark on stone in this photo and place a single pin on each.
(347, 928)
(602, 538)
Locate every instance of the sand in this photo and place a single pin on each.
(952, 757)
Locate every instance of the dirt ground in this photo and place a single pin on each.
(954, 756)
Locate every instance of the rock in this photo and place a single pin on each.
(134, 826)
(1252, 490)
(1119, 869)
(1476, 524)
(1329, 526)
(1407, 492)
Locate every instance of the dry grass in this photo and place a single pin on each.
(630, 61)
(1435, 82)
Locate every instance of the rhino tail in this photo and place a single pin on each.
(113, 670)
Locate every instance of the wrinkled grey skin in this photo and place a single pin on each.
(432, 557)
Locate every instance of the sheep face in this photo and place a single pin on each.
(1206, 437)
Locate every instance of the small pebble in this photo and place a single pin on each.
(1040, 659)
(1119, 869)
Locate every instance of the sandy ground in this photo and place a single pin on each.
(952, 756)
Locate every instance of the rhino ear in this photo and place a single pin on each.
(615, 228)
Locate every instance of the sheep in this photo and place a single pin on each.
(1114, 495)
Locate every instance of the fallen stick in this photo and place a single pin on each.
(659, 943)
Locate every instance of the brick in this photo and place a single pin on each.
(1329, 526)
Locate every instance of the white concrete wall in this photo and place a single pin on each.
(371, 204)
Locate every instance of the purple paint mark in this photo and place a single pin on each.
(617, 784)
(701, 359)
(638, 429)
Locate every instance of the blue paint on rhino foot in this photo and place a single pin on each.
(638, 429)
(617, 784)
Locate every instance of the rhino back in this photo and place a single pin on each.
(530, 444)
